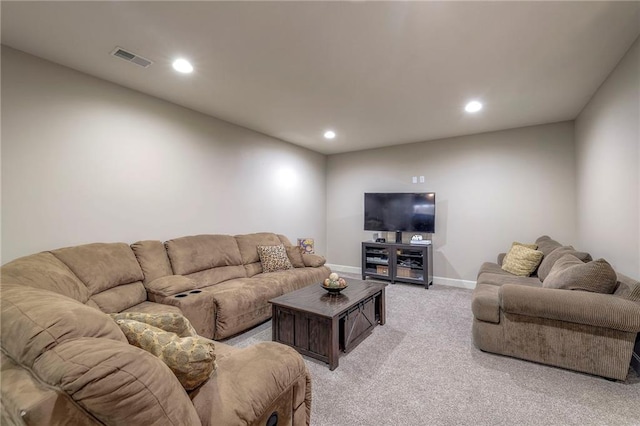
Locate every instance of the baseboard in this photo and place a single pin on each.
(451, 282)
(344, 268)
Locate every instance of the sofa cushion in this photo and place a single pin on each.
(274, 258)
(546, 245)
(101, 266)
(153, 308)
(170, 285)
(201, 252)
(570, 273)
(248, 245)
(35, 321)
(550, 259)
(191, 358)
(117, 383)
(295, 256)
(171, 322)
(628, 288)
(45, 271)
(119, 298)
(521, 260)
(153, 259)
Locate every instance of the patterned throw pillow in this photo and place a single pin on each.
(274, 258)
(571, 273)
(171, 322)
(192, 359)
(521, 260)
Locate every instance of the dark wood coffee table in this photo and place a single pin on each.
(321, 325)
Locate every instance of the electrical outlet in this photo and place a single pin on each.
(414, 179)
(421, 179)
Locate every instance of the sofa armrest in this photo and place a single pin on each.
(580, 307)
(170, 285)
(313, 260)
(252, 383)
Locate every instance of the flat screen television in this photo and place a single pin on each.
(400, 212)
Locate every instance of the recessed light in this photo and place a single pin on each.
(473, 106)
(329, 134)
(183, 66)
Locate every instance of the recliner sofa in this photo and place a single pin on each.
(65, 361)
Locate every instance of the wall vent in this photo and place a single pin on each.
(131, 57)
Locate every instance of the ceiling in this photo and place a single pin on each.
(377, 73)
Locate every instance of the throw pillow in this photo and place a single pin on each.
(531, 246)
(295, 256)
(313, 260)
(571, 273)
(550, 259)
(546, 245)
(274, 258)
(521, 260)
(192, 359)
(171, 322)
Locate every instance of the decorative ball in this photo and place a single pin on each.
(333, 276)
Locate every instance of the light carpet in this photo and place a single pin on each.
(421, 368)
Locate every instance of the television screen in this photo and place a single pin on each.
(409, 212)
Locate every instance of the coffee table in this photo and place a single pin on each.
(320, 325)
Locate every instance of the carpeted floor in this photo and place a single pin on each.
(421, 368)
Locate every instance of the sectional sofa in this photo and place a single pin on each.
(65, 361)
(526, 317)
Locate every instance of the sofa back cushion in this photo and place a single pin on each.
(105, 266)
(628, 288)
(35, 321)
(117, 383)
(546, 245)
(248, 245)
(153, 259)
(45, 271)
(206, 259)
(570, 273)
(550, 259)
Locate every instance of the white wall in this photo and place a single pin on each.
(491, 189)
(85, 160)
(608, 168)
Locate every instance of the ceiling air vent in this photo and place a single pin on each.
(131, 57)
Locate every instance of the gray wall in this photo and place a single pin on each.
(608, 168)
(491, 189)
(85, 160)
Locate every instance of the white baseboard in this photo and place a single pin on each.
(451, 282)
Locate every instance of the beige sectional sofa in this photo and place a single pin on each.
(578, 330)
(65, 361)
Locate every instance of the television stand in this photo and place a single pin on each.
(408, 263)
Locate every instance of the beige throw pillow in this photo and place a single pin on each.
(192, 359)
(295, 256)
(521, 260)
(274, 258)
(571, 273)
